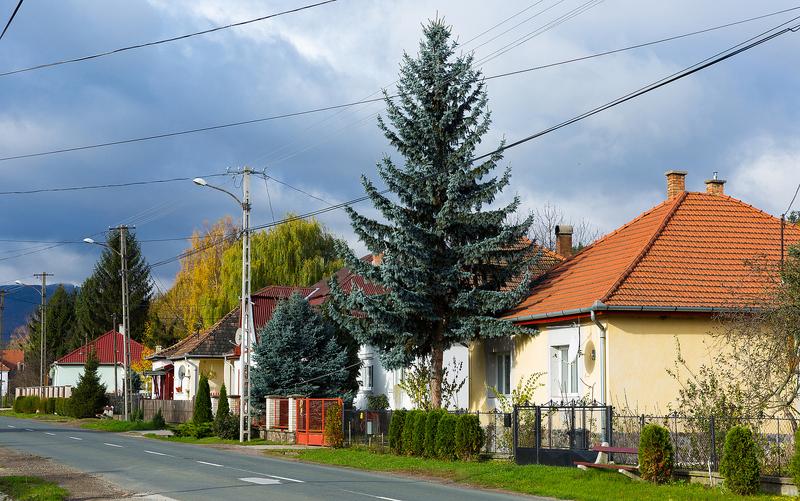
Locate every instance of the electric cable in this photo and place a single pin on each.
(13, 15)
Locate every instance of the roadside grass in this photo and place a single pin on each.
(208, 440)
(117, 425)
(42, 417)
(32, 489)
(552, 481)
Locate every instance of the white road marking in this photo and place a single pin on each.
(266, 475)
(260, 480)
(209, 464)
(28, 429)
(75, 438)
(11, 426)
(51, 434)
(371, 495)
(112, 445)
(159, 454)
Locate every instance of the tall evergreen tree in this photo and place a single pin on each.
(89, 396)
(61, 333)
(100, 298)
(298, 353)
(446, 254)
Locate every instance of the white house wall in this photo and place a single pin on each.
(68, 375)
(187, 385)
(386, 381)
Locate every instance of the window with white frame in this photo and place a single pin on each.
(367, 377)
(503, 364)
(563, 372)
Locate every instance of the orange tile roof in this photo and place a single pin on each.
(695, 250)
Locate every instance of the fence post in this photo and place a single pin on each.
(515, 432)
(572, 444)
(537, 436)
(712, 429)
(610, 424)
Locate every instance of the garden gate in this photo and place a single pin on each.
(310, 419)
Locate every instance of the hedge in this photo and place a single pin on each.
(445, 437)
(656, 456)
(334, 433)
(396, 431)
(739, 465)
(408, 432)
(469, 436)
(26, 405)
(419, 434)
(431, 425)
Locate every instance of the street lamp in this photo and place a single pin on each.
(126, 348)
(244, 355)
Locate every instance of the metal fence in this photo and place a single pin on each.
(698, 441)
(366, 427)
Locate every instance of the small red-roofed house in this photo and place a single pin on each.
(109, 350)
(608, 317)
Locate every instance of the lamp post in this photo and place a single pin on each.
(42, 319)
(126, 351)
(244, 355)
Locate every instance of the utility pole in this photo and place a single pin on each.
(114, 328)
(244, 356)
(126, 354)
(2, 307)
(43, 318)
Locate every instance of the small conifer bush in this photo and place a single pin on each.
(408, 432)
(396, 431)
(469, 437)
(446, 437)
(656, 456)
(334, 433)
(431, 426)
(418, 441)
(89, 396)
(202, 403)
(739, 465)
(158, 421)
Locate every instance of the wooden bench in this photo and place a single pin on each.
(599, 448)
(617, 450)
(607, 466)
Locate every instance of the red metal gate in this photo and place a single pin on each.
(310, 413)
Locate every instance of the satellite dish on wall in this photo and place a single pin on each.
(182, 372)
(238, 336)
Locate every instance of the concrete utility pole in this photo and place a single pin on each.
(43, 336)
(114, 328)
(2, 307)
(246, 305)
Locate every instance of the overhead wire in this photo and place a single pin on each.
(103, 186)
(158, 42)
(359, 102)
(10, 19)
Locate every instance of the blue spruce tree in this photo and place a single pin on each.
(447, 256)
(298, 353)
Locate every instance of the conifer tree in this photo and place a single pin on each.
(62, 335)
(447, 251)
(100, 296)
(298, 353)
(89, 396)
(202, 402)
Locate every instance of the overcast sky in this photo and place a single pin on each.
(741, 117)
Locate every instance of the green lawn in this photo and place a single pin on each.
(31, 489)
(557, 482)
(207, 440)
(117, 425)
(43, 417)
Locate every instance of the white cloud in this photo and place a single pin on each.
(767, 173)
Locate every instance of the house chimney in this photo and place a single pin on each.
(676, 182)
(377, 259)
(715, 186)
(564, 240)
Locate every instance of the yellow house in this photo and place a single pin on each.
(608, 317)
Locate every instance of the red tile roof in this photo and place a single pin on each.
(267, 299)
(3, 367)
(695, 250)
(103, 347)
(12, 358)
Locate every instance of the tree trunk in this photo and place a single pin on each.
(437, 362)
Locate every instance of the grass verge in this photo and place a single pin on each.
(32, 489)
(553, 481)
(117, 425)
(42, 417)
(207, 440)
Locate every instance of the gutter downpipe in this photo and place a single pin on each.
(600, 326)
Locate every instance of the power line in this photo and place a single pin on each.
(364, 101)
(13, 14)
(157, 42)
(793, 199)
(102, 186)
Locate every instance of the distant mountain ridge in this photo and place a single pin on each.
(20, 303)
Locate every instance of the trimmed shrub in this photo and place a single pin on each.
(418, 440)
(377, 402)
(794, 466)
(202, 402)
(334, 432)
(89, 396)
(431, 425)
(469, 436)
(223, 408)
(656, 456)
(739, 465)
(445, 437)
(62, 406)
(408, 432)
(41, 406)
(227, 427)
(158, 421)
(50, 408)
(396, 431)
(191, 429)
(26, 405)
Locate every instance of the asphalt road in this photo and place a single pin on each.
(183, 471)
